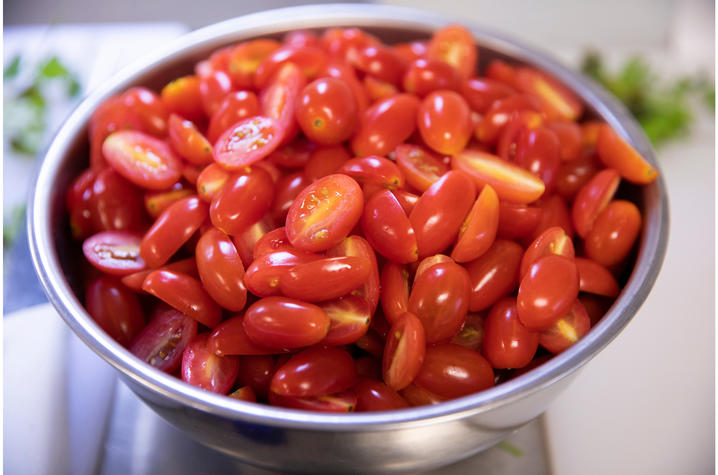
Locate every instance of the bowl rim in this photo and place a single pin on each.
(47, 266)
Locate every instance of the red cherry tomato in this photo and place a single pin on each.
(569, 138)
(158, 201)
(388, 229)
(495, 274)
(350, 316)
(229, 338)
(293, 155)
(554, 240)
(567, 331)
(338, 275)
(511, 183)
(210, 181)
(547, 291)
(189, 142)
(280, 322)
(265, 272)
(182, 97)
(326, 111)
(243, 200)
(184, 293)
(438, 214)
(554, 212)
(373, 395)
(235, 107)
(452, 371)
(404, 351)
(385, 125)
(114, 252)
(213, 87)
(573, 175)
(538, 151)
(616, 153)
(592, 198)
(164, 339)
(247, 141)
(344, 401)
(557, 100)
(204, 369)
(245, 393)
(345, 73)
(172, 229)
(481, 93)
(420, 166)
(440, 298)
(478, 231)
(444, 121)
(357, 246)
(373, 169)
(149, 109)
(315, 371)
(115, 309)
(472, 333)
(255, 371)
(144, 160)
(114, 204)
(517, 221)
(507, 342)
(614, 233)
(426, 75)
(245, 58)
(279, 100)
(455, 45)
(596, 279)
(135, 280)
(324, 213)
(221, 270)
(310, 60)
(325, 161)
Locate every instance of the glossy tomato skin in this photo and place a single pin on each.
(517, 221)
(181, 96)
(614, 233)
(373, 169)
(189, 142)
(452, 371)
(481, 93)
(265, 273)
(440, 298)
(234, 108)
(206, 370)
(230, 338)
(553, 240)
(243, 200)
(142, 159)
(327, 111)
(164, 339)
(388, 229)
(478, 230)
(357, 246)
(454, 45)
(221, 270)
(184, 293)
(350, 316)
(539, 152)
(114, 252)
(172, 229)
(315, 371)
(426, 75)
(324, 213)
(158, 201)
(547, 291)
(592, 198)
(147, 106)
(247, 141)
(616, 153)
(256, 372)
(385, 125)
(495, 274)
(596, 279)
(421, 167)
(114, 204)
(444, 121)
(325, 161)
(567, 331)
(115, 309)
(404, 351)
(281, 322)
(341, 402)
(507, 342)
(373, 395)
(438, 214)
(213, 87)
(279, 100)
(338, 275)
(135, 280)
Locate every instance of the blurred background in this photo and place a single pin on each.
(645, 405)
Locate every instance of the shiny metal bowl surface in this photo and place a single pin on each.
(422, 437)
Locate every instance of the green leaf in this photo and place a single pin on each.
(510, 448)
(52, 68)
(12, 69)
(12, 226)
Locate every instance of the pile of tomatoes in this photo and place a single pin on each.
(331, 223)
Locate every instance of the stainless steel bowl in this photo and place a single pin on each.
(422, 437)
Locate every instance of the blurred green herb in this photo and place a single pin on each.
(26, 112)
(510, 448)
(663, 110)
(12, 226)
